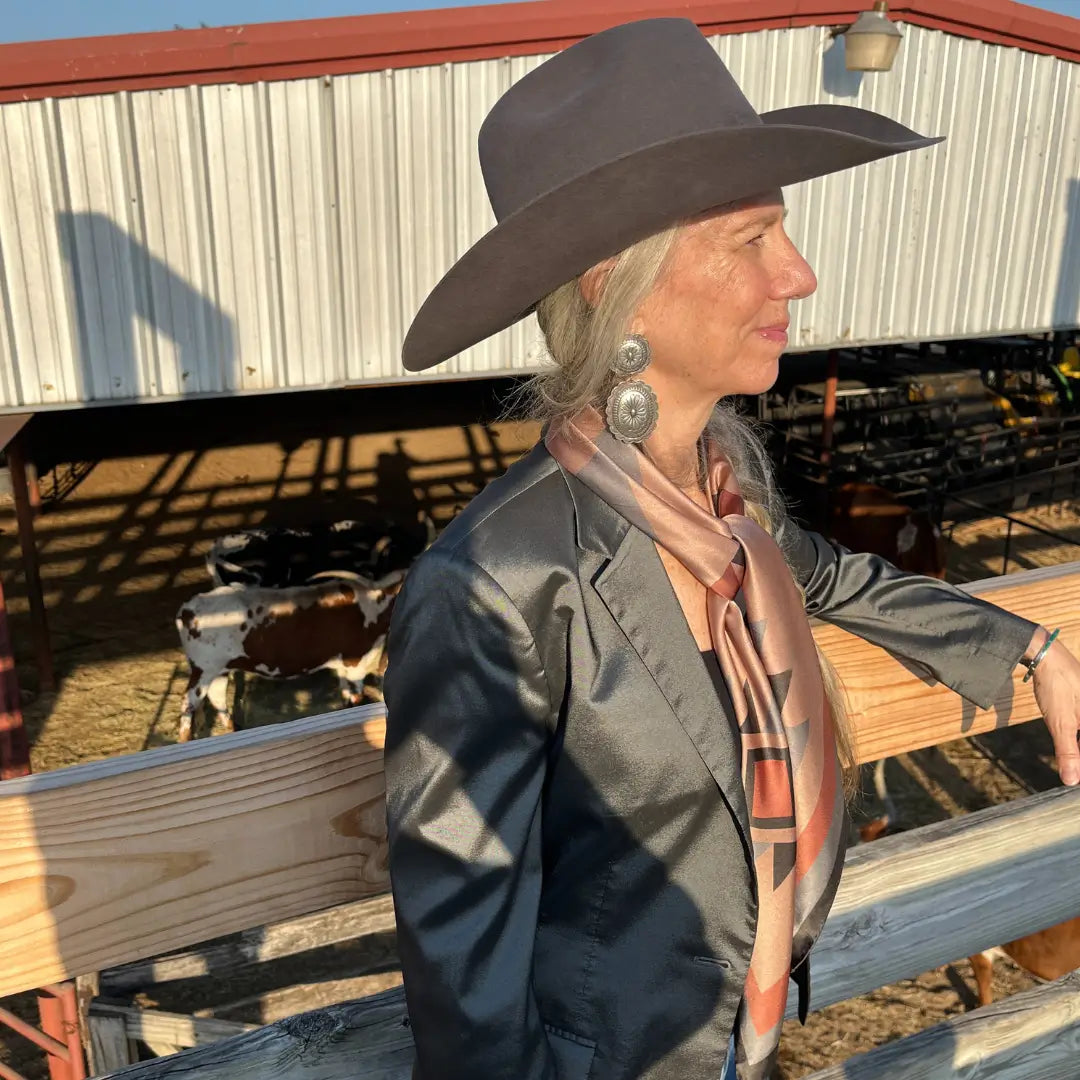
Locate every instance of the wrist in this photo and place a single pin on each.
(1041, 652)
(1038, 640)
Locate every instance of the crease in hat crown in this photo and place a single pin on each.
(616, 72)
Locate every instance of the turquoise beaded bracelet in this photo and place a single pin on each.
(1040, 654)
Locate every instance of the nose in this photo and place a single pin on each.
(794, 279)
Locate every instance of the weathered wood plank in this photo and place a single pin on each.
(906, 904)
(374, 915)
(894, 710)
(109, 862)
(274, 1005)
(110, 1047)
(1032, 1036)
(915, 901)
(174, 1029)
(361, 1040)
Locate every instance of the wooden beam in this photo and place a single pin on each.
(895, 709)
(360, 1040)
(906, 904)
(912, 902)
(274, 1005)
(105, 863)
(172, 1030)
(1031, 1036)
(374, 915)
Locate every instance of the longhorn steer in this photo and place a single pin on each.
(280, 557)
(338, 623)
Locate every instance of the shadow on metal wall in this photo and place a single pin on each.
(1067, 295)
(142, 328)
(135, 496)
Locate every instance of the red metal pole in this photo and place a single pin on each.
(36, 1036)
(828, 417)
(33, 483)
(70, 1005)
(14, 748)
(52, 1023)
(24, 516)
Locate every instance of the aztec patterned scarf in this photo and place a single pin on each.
(766, 652)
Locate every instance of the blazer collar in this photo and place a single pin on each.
(635, 588)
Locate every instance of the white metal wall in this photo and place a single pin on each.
(241, 238)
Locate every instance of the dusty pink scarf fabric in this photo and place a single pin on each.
(762, 640)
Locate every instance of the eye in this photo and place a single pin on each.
(757, 240)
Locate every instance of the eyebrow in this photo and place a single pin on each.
(762, 217)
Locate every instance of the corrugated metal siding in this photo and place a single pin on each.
(244, 238)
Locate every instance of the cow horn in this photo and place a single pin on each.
(341, 575)
(429, 526)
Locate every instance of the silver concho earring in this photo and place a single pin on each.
(631, 409)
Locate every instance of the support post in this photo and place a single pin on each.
(828, 417)
(14, 748)
(52, 1024)
(24, 516)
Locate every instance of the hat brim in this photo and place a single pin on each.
(563, 232)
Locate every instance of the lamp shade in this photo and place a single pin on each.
(870, 43)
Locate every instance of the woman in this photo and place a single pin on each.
(614, 796)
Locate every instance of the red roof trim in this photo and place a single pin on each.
(290, 50)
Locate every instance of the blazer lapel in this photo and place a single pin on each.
(635, 588)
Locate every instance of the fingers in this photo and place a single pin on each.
(1068, 754)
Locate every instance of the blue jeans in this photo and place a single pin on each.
(729, 1065)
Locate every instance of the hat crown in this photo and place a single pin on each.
(612, 94)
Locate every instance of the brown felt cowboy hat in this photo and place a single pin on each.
(618, 136)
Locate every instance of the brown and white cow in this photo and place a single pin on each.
(337, 623)
(866, 517)
(1048, 955)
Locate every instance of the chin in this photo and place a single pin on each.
(759, 380)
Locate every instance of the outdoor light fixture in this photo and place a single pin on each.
(870, 43)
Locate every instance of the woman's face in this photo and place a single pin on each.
(717, 319)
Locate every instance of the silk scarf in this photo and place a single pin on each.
(762, 640)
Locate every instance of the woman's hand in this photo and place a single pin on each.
(1057, 692)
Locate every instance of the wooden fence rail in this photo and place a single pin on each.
(1031, 1036)
(906, 904)
(894, 710)
(108, 863)
(288, 938)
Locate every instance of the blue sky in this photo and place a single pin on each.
(25, 20)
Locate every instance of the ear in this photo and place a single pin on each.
(593, 280)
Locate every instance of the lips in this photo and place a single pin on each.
(775, 333)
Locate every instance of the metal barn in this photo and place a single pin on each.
(263, 208)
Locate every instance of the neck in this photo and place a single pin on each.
(674, 445)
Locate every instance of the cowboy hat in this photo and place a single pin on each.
(618, 136)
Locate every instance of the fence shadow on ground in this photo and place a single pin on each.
(122, 544)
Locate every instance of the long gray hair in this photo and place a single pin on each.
(582, 339)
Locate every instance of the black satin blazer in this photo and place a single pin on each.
(568, 832)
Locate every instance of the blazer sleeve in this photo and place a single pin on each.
(966, 643)
(468, 714)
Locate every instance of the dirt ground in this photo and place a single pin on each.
(122, 541)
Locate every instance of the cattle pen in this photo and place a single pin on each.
(283, 829)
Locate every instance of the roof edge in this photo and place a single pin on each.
(303, 49)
